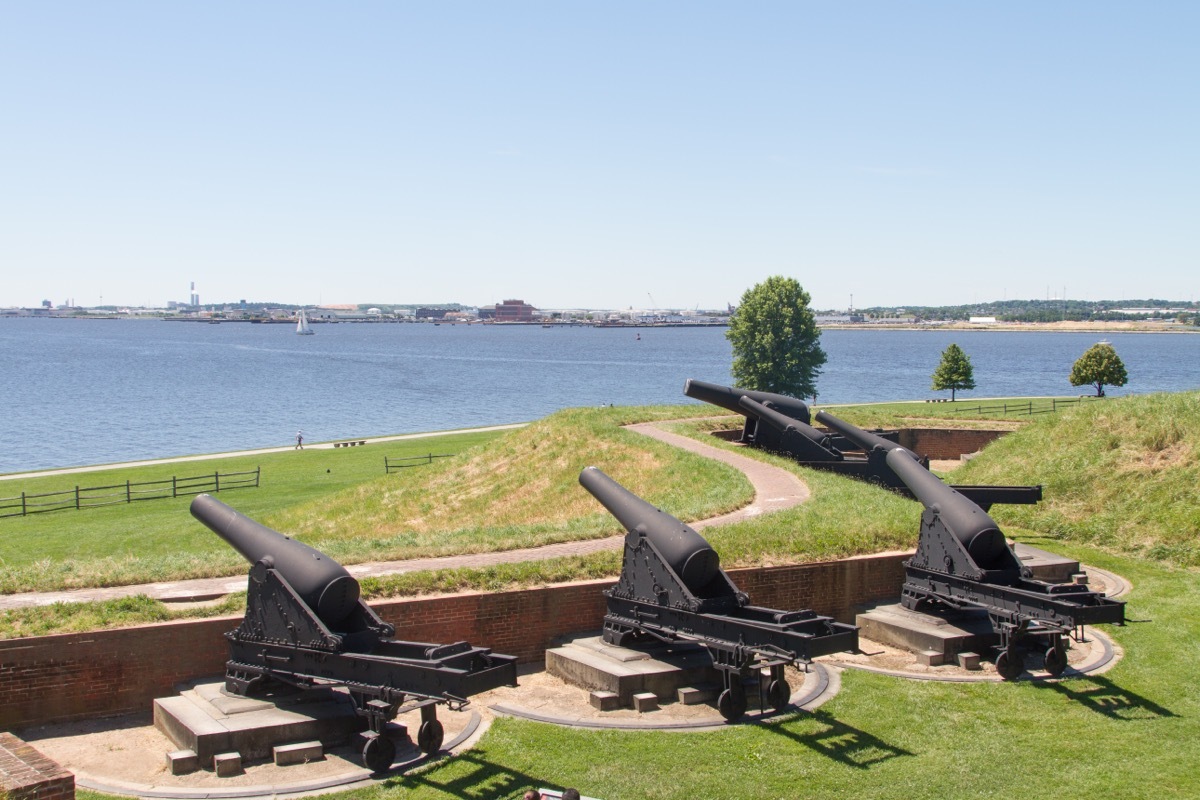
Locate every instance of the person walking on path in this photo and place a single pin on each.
(299, 440)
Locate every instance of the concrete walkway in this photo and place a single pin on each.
(774, 489)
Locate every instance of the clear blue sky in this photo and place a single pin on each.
(598, 154)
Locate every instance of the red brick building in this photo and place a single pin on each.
(514, 311)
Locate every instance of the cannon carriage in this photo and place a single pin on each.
(963, 560)
(672, 588)
(306, 626)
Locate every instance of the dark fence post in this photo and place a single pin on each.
(23, 504)
(128, 493)
(174, 488)
(257, 471)
(216, 481)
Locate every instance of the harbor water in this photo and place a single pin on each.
(78, 391)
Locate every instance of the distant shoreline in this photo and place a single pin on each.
(1123, 326)
(1115, 326)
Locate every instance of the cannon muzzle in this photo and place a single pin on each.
(727, 397)
(685, 551)
(864, 439)
(969, 523)
(322, 583)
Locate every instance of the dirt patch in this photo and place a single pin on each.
(129, 754)
(886, 658)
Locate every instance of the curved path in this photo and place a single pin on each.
(774, 489)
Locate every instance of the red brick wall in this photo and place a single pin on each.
(26, 774)
(77, 676)
(942, 443)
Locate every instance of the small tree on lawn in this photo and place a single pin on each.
(1100, 366)
(955, 372)
(775, 339)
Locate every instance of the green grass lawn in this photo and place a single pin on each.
(158, 539)
(520, 489)
(1121, 495)
(1133, 732)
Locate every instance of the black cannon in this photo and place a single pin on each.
(729, 397)
(306, 626)
(770, 436)
(873, 466)
(672, 588)
(964, 561)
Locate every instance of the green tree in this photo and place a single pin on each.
(955, 372)
(775, 338)
(1100, 366)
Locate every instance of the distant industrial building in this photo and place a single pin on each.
(514, 311)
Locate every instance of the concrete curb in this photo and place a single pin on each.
(824, 688)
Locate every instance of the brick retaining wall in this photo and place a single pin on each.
(26, 774)
(78, 676)
(943, 443)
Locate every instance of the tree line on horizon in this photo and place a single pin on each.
(1042, 310)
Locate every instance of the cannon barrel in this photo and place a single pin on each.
(867, 441)
(727, 397)
(968, 523)
(688, 553)
(784, 423)
(322, 583)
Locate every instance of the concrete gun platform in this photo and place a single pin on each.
(207, 721)
(893, 624)
(591, 663)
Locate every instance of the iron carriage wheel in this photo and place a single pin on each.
(378, 753)
(430, 735)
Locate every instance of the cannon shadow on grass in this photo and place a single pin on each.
(1101, 695)
(482, 779)
(841, 742)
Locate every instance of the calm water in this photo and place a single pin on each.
(84, 392)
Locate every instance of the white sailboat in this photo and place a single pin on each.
(302, 327)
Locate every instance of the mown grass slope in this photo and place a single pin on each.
(156, 540)
(1119, 474)
(521, 490)
(499, 492)
(1123, 474)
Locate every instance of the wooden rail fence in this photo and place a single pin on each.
(82, 497)
(1027, 408)
(392, 464)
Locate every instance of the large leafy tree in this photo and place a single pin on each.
(775, 338)
(1100, 366)
(955, 372)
